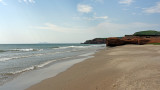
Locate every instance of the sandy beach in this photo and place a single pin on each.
(129, 67)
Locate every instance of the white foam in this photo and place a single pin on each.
(71, 47)
(26, 50)
(87, 46)
(45, 63)
(23, 70)
(6, 58)
(87, 54)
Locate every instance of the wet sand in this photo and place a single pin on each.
(129, 67)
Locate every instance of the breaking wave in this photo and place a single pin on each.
(26, 50)
(18, 57)
(30, 68)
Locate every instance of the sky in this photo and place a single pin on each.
(74, 21)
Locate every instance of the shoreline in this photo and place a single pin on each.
(128, 67)
(27, 79)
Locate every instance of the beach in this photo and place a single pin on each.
(19, 62)
(128, 67)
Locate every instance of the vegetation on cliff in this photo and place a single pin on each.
(155, 43)
(147, 33)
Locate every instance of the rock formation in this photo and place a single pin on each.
(114, 41)
(117, 42)
(96, 41)
(139, 38)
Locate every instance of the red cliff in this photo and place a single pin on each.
(139, 40)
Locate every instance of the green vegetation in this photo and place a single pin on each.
(155, 43)
(147, 33)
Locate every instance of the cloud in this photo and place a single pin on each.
(103, 17)
(153, 9)
(31, 1)
(95, 18)
(2, 2)
(27, 1)
(91, 18)
(49, 26)
(84, 8)
(56, 28)
(126, 2)
(107, 29)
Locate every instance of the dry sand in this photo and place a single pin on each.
(129, 67)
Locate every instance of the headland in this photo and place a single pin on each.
(138, 38)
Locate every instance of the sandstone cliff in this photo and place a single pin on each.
(139, 38)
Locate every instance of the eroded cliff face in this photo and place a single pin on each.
(138, 40)
(114, 41)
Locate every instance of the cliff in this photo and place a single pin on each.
(117, 42)
(96, 41)
(139, 38)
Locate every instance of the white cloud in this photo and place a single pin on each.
(50, 26)
(2, 2)
(105, 29)
(103, 17)
(95, 18)
(27, 1)
(108, 29)
(91, 18)
(154, 9)
(126, 2)
(84, 8)
(31, 1)
(62, 34)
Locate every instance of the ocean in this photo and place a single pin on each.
(16, 59)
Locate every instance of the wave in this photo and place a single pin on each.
(20, 71)
(30, 68)
(87, 54)
(2, 59)
(45, 63)
(71, 47)
(48, 62)
(5, 59)
(42, 65)
(40, 54)
(18, 57)
(87, 46)
(26, 50)
(22, 50)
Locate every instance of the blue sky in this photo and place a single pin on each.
(74, 21)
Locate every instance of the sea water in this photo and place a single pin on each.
(16, 59)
